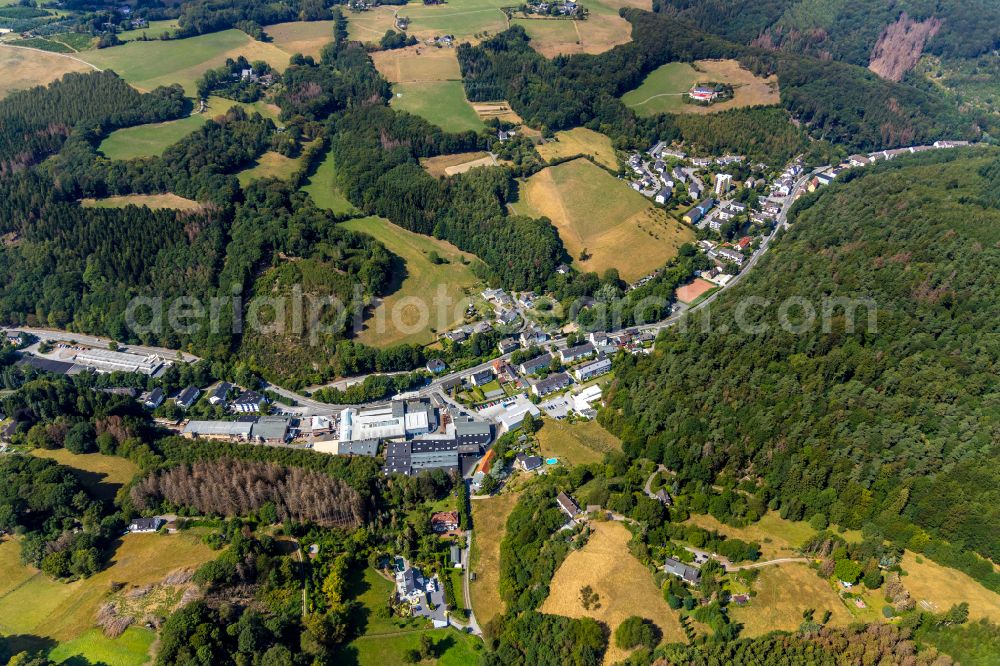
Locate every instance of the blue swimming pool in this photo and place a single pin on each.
(552, 461)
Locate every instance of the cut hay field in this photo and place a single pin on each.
(305, 37)
(102, 474)
(500, 110)
(147, 65)
(26, 68)
(33, 604)
(440, 102)
(154, 138)
(603, 30)
(784, 592)
(368, 27)
(665, 88)
(580, 141)
(425, 295)
(624, 585)
(937, 588)
(449, 165)
(462, 18)
(323, 189)
(576, 443)
(489, 521)
(417, 63)
(777, 537)
(597, 213)
(154, 201)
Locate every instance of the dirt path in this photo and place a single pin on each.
(650, 99)
(768, 563)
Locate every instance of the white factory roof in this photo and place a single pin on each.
(110, 361)
(218, 428)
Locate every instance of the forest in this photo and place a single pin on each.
(889, 423)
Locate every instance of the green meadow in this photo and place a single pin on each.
(322, 187)
(663, 89)
(441, 102)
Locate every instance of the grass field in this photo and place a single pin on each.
(33, 604)
(576, 443)
(147, 65)
(489, 520)
(269, 165)
(102, 474)
(624, 585)
(155, 29)
(596, 212)
(305, 37)
(23, 68)
(580, 141)
(154, 201)
(417, 63)
(449, 165)
(154, 138)
(441, 288)
(322, 187)
(603, 30)
(665, 88)
(130, 649)
(931, 584)
(462, 18)
(441, 102)
(778, 537)
(784, 592)
(369, 26)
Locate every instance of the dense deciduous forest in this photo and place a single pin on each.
(893, 426)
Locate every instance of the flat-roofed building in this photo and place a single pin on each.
(393, 421)
(105, 360)
(367, 448)
(218, 429)
(271, 429)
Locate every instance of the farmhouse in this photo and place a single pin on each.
(703, 93)
(683, 571)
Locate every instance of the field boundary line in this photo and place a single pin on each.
(61, 55)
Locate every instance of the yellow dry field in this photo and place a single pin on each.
(580, 141)
(370, 26)
(418, 63)
(305, 37)
(154, 201)
(624, 585)
(748, 90)
(784, 592)
(576, 443)
(33, 603)
(102, 475)
(602, 222)
(449, 165)
(603, 30)
(22, 68)
(937, 588)
(500, 110)
(777, 537)
(489, 520)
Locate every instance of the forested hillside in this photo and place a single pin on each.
(895, 427)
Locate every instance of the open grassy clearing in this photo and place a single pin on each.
(665, 88)
(489, 521)
(26, 68)
(418, 63)
(596, 212)
(939, 587)
(427, 297)
(269, 165)
(368, 27)
(576, 443)
(130, 649)
(603, 30)
(784, 592)
(580, 141)
(462, 18)
(624, 585)
(449, 165)
(322, 187)
(777, 537)
(305, 37)
(168, 200)
(147, 65)
(154, 138)
(440, 102)
(33, 604)
(102, 474)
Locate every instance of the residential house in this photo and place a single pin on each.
(663, 196)
(187, 397)
(248, 402)
(730, 254)
(527, 463)
(506, 316)
(550, 384)
(532, 337)
(508, 345)
(152, 399)
(679, 174)
(444, 521)
(723, 183)
(220, 393)
(567, 505)
(482, 377)
(683, 571)
(859, 160)
(573, 354)
(664, 497)
(562, 269)
(534, 365)
(436, 366)
(458, 335)
(694, 189)
(596, 369)
(146, 524)
(410, 585)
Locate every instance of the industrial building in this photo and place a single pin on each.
(105, 360)
(396, 420)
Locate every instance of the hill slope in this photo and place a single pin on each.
(898, 425)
